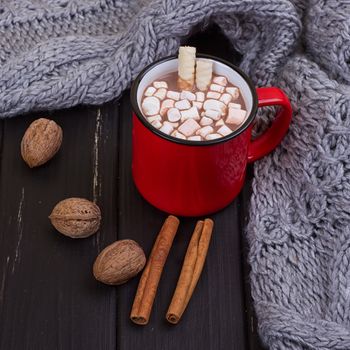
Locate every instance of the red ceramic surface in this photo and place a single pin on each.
(193, 179)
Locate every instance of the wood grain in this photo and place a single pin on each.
(48, 296)
(214, 317)
(49, 299)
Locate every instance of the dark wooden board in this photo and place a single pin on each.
(48, 296)
(214, 318)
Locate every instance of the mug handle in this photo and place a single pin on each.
(270, 139)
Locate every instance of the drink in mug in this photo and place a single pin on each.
(206, 107)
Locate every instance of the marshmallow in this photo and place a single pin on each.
(210, 113)
(191, 113)
(226, 98)
(220, 122)
(157, 124)
(178, 135)
(235, 116)
(174, 95)
(183, 104)
(173, 114)
(224, 130)
(233, 91)
(186, 66)
(205, 131)
(220, 80)
(215, 105)
(195, 138)
(161, 93)
(198, 105)
(234, 105)
(217, 88)
(150, 91)
(187, 95)
(212, 136)
(204, 72)
(167, 128)
(150, 105)
(160, 84)
(200, 96)
(154, 118)
(213, 94)
(174, 125)
(206, 121)
(189, 127)
(166, 104)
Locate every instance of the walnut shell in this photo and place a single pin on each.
(41, 142)
(76, 217)
(119, 262)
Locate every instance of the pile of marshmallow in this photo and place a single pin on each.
(179, 113)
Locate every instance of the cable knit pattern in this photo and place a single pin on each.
(59, 53)
(56, 54)
(330, 24)
(299, 231)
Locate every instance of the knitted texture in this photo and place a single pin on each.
(59, 53)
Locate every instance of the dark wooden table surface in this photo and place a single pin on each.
(48, 296)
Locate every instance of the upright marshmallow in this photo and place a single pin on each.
(160, 84)
(164, 107)
(178, 135)
(205, 131)
(174, 95)
(183, 104)
(195, 138)
(200, 96)
(212, 137)
(187, 95)
(226, 98)
(150, 105)
(213, 94)
(204, 72)
(186, 67)
(154, 118)
(206, 121)
(234, 105)
(150, 91)
(235, 116)
(215, 105)
(220, 80)
(167, 128)
(173, 115)
(211, 113)
(224, 130)
(217, 88)
(233, 91)
(191, 113)
(197, 104)
(160, 93)
(189, 127)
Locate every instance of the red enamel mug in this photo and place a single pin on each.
(194, 178)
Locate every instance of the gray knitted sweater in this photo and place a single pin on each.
(58, 53)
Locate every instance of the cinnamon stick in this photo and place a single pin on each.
(149, 281)
(191, 270)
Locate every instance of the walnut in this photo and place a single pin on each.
(41, 142)
(76, 217)
(119, 262)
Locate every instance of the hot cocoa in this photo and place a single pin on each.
(193, 103)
